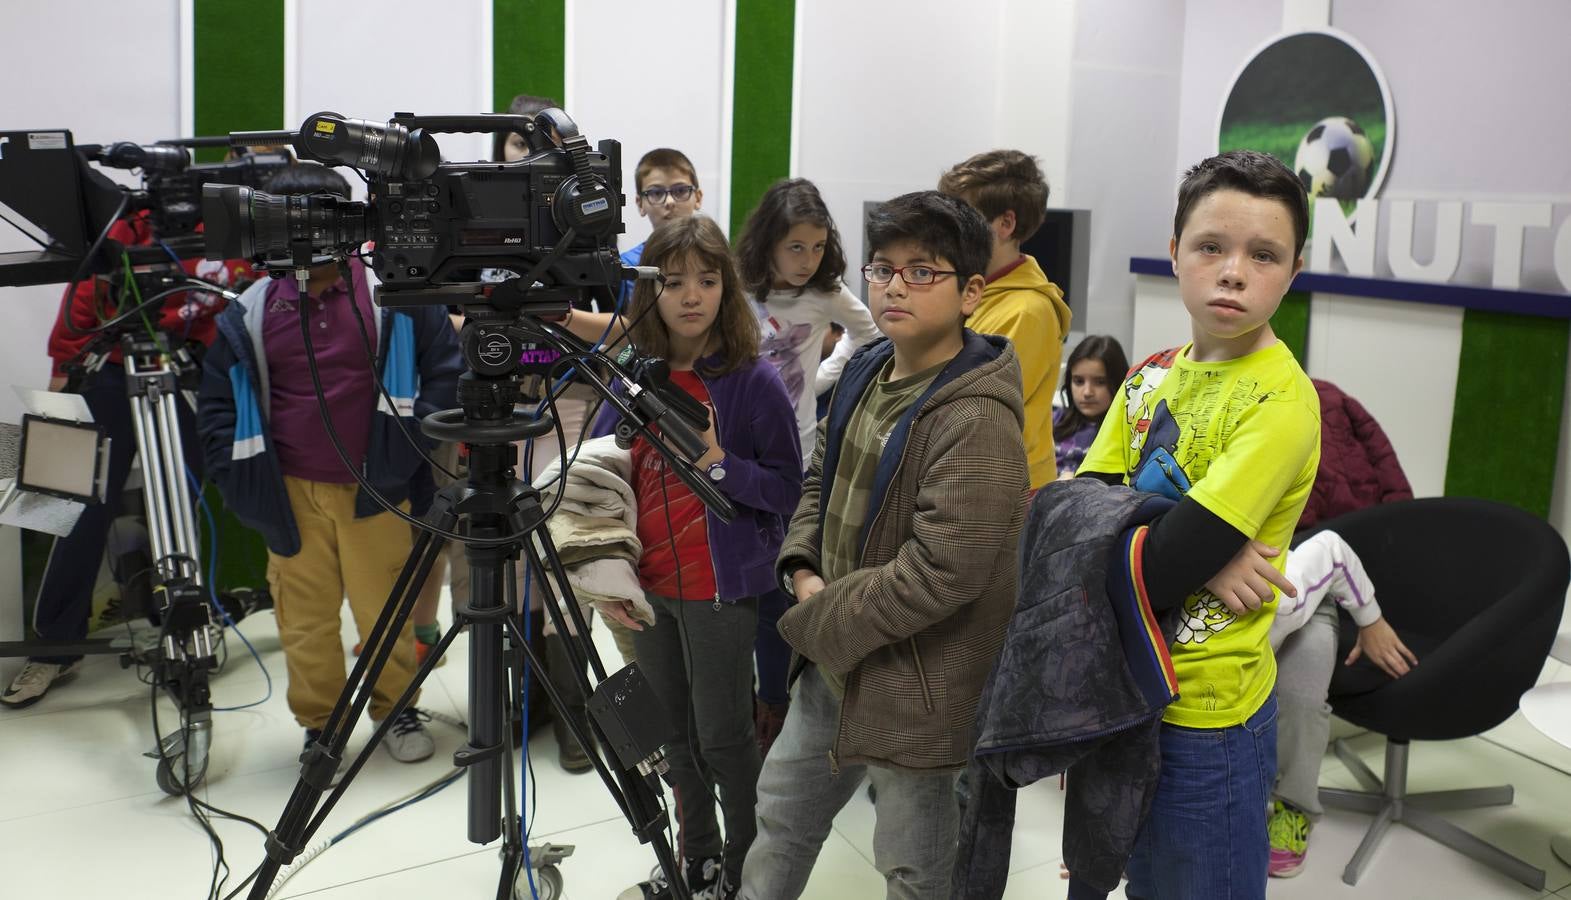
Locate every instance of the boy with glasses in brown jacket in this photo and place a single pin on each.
(901, 557)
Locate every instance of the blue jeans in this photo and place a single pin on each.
(917, 815)
(1205, 837)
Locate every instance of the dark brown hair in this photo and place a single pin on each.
(698, 238)
(785, 205)
(1115, 365)
(1001, 181)
(663, 158)
(522, 105)
(1256, 174)
(946, 227)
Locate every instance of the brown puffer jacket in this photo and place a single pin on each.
(915, 631)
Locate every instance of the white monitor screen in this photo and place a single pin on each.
(59, 458)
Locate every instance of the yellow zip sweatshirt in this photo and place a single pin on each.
(1022, 305)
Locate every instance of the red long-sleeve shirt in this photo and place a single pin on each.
(186, 313)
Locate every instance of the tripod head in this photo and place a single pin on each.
(502, 345)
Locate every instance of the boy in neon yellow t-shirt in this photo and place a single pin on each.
(1228, 425)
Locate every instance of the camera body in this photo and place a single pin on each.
(471, 216)
(174, 199)
(550, 218)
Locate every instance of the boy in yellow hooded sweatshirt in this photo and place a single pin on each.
(1018, 302)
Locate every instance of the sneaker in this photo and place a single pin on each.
(1289, 833)
(655, 888)
(32, 683)
(703, 878)
(311, 735)
(408, 740)
(706, 878)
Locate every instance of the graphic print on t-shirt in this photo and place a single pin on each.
(1174, 452)
(783, 349)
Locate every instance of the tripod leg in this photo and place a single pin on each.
(296, 825)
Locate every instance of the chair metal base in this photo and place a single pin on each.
(1390, 802)
(1561, 844)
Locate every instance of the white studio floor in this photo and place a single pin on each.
(81, 816)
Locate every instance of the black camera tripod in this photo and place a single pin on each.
(505, 521)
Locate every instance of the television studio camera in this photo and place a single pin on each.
(48, 181)
(550, 220)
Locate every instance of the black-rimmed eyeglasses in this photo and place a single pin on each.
(681, 193)
(880, 273)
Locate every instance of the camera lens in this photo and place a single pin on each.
(242, 223)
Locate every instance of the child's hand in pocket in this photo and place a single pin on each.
(1244, 584)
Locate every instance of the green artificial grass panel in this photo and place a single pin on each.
(238, 69)
(761, 103)
(1505, 429)
(1291, 324)
(528, 50)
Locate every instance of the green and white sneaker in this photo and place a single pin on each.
(1289, 833)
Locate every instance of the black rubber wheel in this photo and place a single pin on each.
(548, 884)
(171, 771)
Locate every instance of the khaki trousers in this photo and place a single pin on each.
(339, 554)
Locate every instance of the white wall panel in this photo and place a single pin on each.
(108, 72)
(1400, 361)
(891, 96)
(368, 60)
(653, 75)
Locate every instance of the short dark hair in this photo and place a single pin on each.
(784, 206)
(308, 178)
(522, 105)
(944, 226)
(663, 158)
(1001, 181)
(1254, 173)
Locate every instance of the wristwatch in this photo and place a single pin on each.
(717, 471)
(788, 578)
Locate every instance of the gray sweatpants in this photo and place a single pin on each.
(1304, 664)
(710, 706)
(917, 820)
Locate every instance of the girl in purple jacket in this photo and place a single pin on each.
(703, 576)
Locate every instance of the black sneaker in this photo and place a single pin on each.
(703, 876)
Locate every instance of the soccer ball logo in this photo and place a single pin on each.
(1334, 159)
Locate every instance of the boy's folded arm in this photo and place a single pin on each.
(1224, 511)
(963, 515)
(1186, 547)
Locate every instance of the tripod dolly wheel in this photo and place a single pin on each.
(548, 884)
(171, 774)
(186, 748)
(548, 878)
